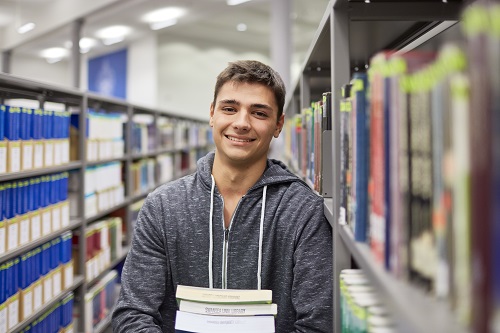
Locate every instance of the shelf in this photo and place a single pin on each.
(75, 223)
(103, 324)
(77, 281)
(106, 211)
(413, 310)
(39, 172)
(109, 160)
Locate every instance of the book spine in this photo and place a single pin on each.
(376, 188)
(494, 55)
(475, 23)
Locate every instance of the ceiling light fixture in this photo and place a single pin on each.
(164, 17)
(114, 34)
(162, 24)
(241, 27)
(236, 2)
(26, 28)
(54, 54)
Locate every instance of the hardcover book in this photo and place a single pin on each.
(191, 322)
(223, 296)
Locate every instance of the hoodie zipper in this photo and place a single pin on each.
(226, 244)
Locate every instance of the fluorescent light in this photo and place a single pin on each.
(54, 54)
(113, 32)
(26, 27)
(114, 40)
(164, 17)
(86, 44)
(162, 24)
(241, 27)
(236, 2)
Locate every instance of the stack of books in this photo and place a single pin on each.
(208, 310)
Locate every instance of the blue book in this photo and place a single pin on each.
(2, 202)
(31, 195)
(65, 249)
(37, 263)
(358, 92)
(55, 251)
(24, 274)
(387, 171)
(3, 283)
(9, 212)
(26, 123)
(67, 310)
(37, 128)
(45, 258)
(3, 111)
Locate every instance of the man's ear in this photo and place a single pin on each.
(211, 122)
(279, 126)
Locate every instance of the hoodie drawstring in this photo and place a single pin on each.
(261, 237)
(211, 250)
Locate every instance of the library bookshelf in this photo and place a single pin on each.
(110, 155)
(349, 35)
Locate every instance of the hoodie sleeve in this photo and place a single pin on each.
(312, 291)
(145, 275)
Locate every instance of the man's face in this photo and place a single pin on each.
(244, 121)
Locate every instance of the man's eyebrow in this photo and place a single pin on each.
(261, 106)
(229, 101)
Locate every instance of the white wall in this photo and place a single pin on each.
(187, 70)
(37, 69)
(142, 68)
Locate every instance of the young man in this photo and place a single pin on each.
(242, 221)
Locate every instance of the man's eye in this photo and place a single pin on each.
(260, 114)
(228, 109)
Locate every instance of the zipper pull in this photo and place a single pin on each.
(226, 234)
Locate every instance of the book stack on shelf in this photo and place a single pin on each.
(104, 188)
(32, 138)
(103, 135)
(99, 302)
(103, 245)
(33, 279)
(207, 310)
(308, 136)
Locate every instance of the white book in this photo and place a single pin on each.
(192, 322)
(228, 309)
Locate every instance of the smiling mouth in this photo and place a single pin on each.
(238, 140)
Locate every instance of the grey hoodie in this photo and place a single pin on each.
(173, 244)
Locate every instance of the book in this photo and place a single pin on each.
(192, 322)
(480, 145)
(223, 296)
(358, 201)
(228, 309)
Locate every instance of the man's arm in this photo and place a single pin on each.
(312, 291)
(145, 275)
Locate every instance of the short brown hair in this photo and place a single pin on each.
(252, 71)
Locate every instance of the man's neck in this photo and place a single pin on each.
(234, 180)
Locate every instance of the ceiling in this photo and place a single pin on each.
(208, 20)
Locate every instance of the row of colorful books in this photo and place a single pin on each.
(420, 166)
(307, 135)
(103, 244)
(224, 310)
(143, 175)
